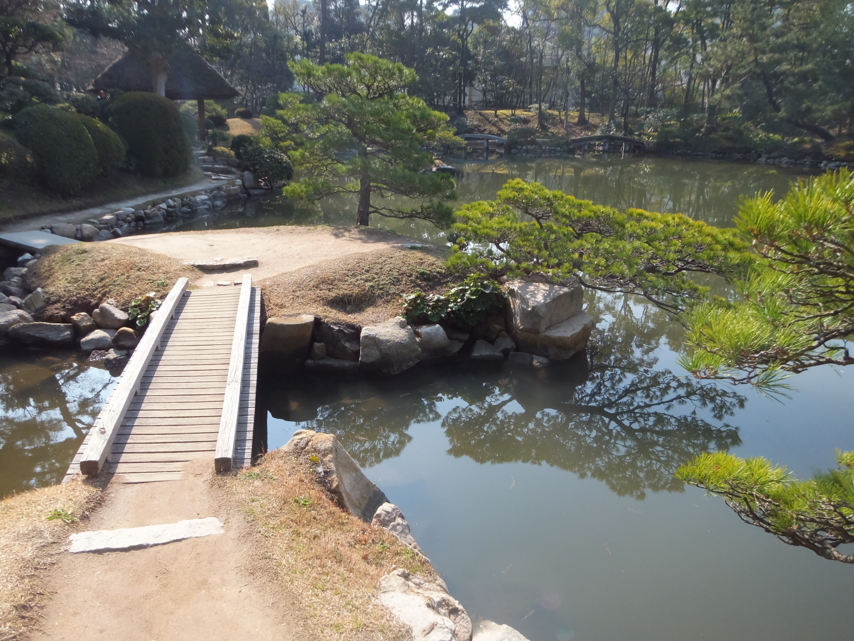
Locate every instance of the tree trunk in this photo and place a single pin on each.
(324, 25)
(158, 65)
(582, 100)
(203, 134)
(363, 214)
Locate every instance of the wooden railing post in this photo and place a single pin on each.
(234, 384)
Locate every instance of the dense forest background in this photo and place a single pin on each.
(755, 69)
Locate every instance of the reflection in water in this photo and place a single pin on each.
(47, 405)
(619, 419)
(705, 190)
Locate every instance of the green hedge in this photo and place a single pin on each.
(15, 159)
(270, 166)
(63, 150)
(243, 112)
(110, 148)
(154, 132)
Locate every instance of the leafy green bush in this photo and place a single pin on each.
(63, 150)
(219, 138)
(243, 112)
(17, 94)
(522, 137)
(217, 120)
(270, 166)
(110, 148)
(84, 103)
(15, 159)
(240, 141)
(222, 152)
(191, 125)
(154, 132)
(466, 305)
(141, 308)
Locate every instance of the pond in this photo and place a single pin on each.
(705, 190)
(546, 500)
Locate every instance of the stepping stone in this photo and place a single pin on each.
(143, 537)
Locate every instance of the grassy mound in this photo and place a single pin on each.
(330, 560)
(80, 277)
(32, 528)
(357, 288)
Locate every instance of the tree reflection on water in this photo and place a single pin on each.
(47, 405)
(616, 417)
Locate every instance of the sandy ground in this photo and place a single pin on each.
(278, 249)
(210, 589)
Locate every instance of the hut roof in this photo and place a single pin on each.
(190, 77)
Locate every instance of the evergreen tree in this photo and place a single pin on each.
(363, 135)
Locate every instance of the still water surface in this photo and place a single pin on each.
(546, 500)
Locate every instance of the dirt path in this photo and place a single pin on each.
(278, 249)
(210, 589)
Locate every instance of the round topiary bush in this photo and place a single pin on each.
(15, 159)
(239, 142)
(84, 103)
(63, 150)
(243, 112)
(222, 152)
(270, 166)
(110, 148)
(154, 132)
(217, 120)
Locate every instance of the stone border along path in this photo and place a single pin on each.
(143, 537)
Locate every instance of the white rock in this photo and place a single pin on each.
(108, 316)
(388, 348)
(425, 607)
(432, 337)
(389, 517)
(534, 307)
(491, 631)
(11, 318)
(143, 537)
(99, 339)
(483, 351)
(559, 342)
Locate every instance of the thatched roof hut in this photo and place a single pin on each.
(189, 78)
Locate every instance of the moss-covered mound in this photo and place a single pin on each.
(108, 145)
(77, 278)
(358, 288)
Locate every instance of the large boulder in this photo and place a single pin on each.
(560, 342)
(491, 631)
(43, 334)
(99, 339)
(341, 475)
(66, 230)
(35, 302)
(389, 517)
(11, 318)
(108, 316)
(83, 323)
(425, 607)
(88, 232)
(431, 337)
(388, 348)
(535, 307)
(341, 340)
(125, 338)
(286, 340)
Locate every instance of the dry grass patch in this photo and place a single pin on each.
(247, 126)
(357, 288)
(33, 528)
(330, 560)
(80, 277)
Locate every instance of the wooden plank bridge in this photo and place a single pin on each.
(187, 392)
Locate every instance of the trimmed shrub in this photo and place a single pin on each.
(154, 132)
(110, 148)
(84, 103)
(15, 159)
(19, 93)
(191, 125)
(243, 112)
(270, 166)
(217, 120)
(63, 150)
(240, 141)
(222, 152)
(219, 138)
(522, 137)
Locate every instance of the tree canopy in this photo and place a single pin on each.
(529, 229)
(360, 133)
(796, 306)
(26, 27)
(817, 514)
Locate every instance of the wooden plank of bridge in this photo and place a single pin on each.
(176, 415)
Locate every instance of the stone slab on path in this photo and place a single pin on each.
(143, 537)
(223, 265)
(33, 241)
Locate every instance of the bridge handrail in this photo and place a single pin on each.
(106, 426)
(234, 383)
